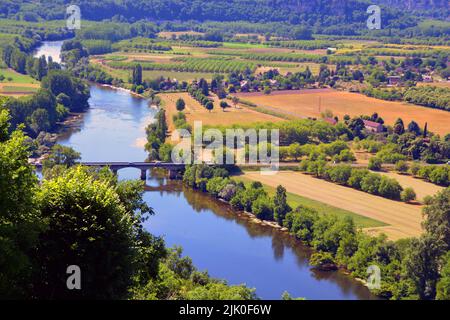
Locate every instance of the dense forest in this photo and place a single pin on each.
(326, 13)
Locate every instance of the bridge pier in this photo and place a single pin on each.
(143, 174)
(114, 171)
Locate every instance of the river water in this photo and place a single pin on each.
(216, 239)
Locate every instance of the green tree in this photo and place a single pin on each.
(223, 105)
(40, 121)
(280, 205)
(401, 166)
(180, 105)
(209, 106)
(438, 216)
(20, 221)
(408, 195)
(375, 164)
(422, 264)
(235, 101)
(136, 76)
(91, 223)
(443, 286)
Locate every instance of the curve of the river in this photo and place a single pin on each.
(216, 239)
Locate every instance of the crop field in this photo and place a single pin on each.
(311, 103)
(402, 220)
(16, 85)
(195, 112)
(295, 200)
(12, 77)
(182, 59)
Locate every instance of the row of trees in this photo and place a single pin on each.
(359, 179)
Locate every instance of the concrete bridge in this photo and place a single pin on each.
(173, 168)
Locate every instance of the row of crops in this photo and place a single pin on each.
(423, 53)
(303, 44)
(191, 65)
(300, 57)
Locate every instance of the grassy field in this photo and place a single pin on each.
(16, 77)
(296, 200)
(16, 85)
(311, 103)
(401, 220)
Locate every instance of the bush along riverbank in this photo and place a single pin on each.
(339, 243)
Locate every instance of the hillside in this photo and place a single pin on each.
(312, 12)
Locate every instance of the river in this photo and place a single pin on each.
(216, 239)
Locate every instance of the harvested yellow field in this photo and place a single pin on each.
(311, 103)
(403, 220)
(421, 187)
(196, 112)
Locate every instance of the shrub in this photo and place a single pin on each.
(414, 169)
(389, 188)
(339, 174)
(408, 195)
(401, 166)
(356, 178)
(439, 175)
(323, 261)
(301, 222)
(375, 164)
(371, 183)
(262, 208)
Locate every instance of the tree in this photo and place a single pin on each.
(136, 77)
(399, 127)
(20, 221)
(401, 166)
(92, 224)
(235, 101)
(280, 205)
(180, 105)
(261, 207)
(40, 121)
(223, 105)
(408, 195)
(389, 188)
(438, 216)
(443, 286)
(413, 127)
(62, 155)
(422, 264)
(375, 164)
(209, 106)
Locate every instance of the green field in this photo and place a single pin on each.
(15, 77)
(295, 200)
(180, 76)
(18, 89)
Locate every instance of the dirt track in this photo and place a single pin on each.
(404, 220)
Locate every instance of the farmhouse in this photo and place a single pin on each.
(372, 126)
(331, 121)
(427, 79)
(394, 80)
